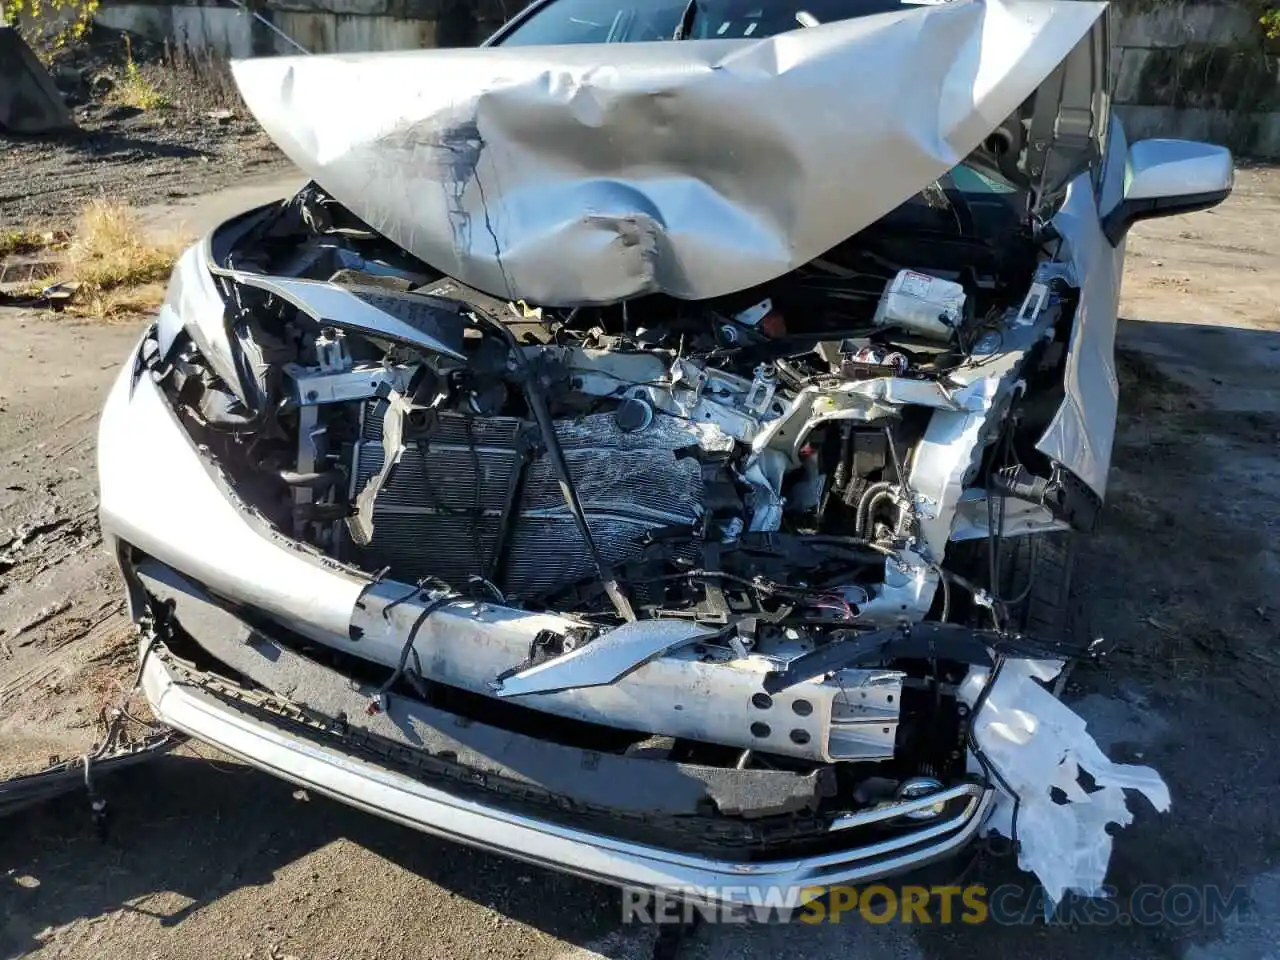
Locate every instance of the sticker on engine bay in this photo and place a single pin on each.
(916, 284)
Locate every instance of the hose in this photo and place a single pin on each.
(885, 496)
(864, 505)
(945, 584)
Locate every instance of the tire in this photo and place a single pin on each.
(1042, 565)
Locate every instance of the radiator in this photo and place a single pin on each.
(440, 510)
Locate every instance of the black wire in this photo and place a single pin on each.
(436, 500)
(559, 464)
(413, 592)
(477, 543)
(761, 586)
(988, 768)
(995, 533)
(426, 612)
(992, 323)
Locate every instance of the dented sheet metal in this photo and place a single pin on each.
(1040, 747)
(1083, 429)
(594, 173)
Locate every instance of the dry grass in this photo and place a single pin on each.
(208, 72)
(118, 271)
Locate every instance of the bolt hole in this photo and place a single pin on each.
(762, 701)
(760, 729)
(802, 708)
(800, 737)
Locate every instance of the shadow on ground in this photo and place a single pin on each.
(201, 829)
(100, 146)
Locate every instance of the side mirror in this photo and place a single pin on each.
(1163, 178)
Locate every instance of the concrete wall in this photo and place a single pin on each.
(1182, 69)
(320, 26)
(222, 30)
(231, 33)
(1196, 70)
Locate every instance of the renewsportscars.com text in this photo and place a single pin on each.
(1007, 904)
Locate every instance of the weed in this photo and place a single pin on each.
(1270, 21)
(206, 69)
(25, 241)
(135, 90)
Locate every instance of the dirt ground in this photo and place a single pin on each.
(200, 138)
(206, 858)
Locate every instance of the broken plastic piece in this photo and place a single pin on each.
(1039, 748)
(605, 659)
(360, 524)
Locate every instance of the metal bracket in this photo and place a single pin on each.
(314, 385)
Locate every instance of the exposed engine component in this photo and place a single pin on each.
(921, 304)
(685, 388)
(673, 443)
(476, 496)
(772, 474)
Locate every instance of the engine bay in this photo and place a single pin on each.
(796, 474)
(556, 480)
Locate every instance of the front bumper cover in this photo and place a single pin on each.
(396, 796)
(161, 496)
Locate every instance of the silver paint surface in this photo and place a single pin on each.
(593, 173)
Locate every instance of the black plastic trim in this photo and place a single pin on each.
(1128, 212)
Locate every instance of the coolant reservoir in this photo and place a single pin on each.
(924, 305)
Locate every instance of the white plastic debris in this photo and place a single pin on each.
(1036, 744)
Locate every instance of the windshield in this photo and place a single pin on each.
(616, 21)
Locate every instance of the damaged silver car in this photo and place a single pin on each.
(651, 445)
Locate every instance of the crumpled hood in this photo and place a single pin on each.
(589, 174)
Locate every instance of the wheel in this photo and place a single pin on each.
(1037, 571)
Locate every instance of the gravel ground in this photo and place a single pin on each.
(206, 858)
(201, 139)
